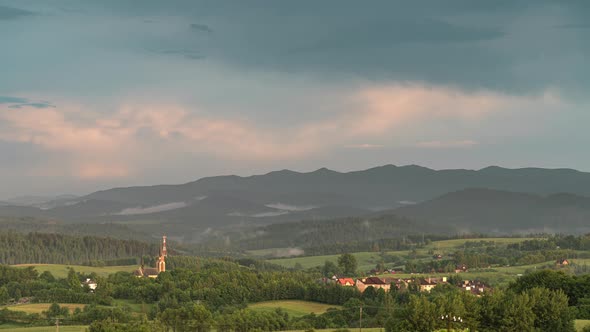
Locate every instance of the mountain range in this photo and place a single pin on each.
(509, 200)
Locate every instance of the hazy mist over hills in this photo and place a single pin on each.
(510, 200)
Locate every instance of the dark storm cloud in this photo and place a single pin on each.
(500, 45)
(16, 102)
(201, 27)
(7, 13)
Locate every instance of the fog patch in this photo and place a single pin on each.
(289, 207)
(288, 252)
(258, 215)
(152, 209)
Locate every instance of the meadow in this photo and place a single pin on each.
(73, 328)
(294, 308)
(368, 260)
(37, 308)
(580, 324)
(61, 270)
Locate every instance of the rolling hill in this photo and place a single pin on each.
(495, 211)
(286, 196)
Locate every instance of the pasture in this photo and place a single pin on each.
(73, 328)
(580, 324)
(37, 308)
(368, 260)
(294, 308)
(61, 270)
(352, 329)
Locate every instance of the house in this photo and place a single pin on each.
(461, 268)
(474, 287)
(374, 282)
(345, 282)
(396, 282)
(427, 284)
(562, 262)
(150, 272)
(90, 283)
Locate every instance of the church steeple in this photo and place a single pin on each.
(162, 258)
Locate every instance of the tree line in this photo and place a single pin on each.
(48, 248)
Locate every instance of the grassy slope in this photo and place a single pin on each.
(293, 307)
(580, 324)
(365, 260)
(37, 308)
(369, 329)
(368, 260)
(135, 307)
(76, 328)
(61, 271)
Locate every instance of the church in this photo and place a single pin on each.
(152, 272)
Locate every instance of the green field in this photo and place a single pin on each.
(581, 324)
(61, 270)
(496, 276)
(368, 260)
(135, 307)
(73, 328)
(294, 308)
(37, 308)
(369, 329)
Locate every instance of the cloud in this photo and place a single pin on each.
(364, 146)
(16, 102)
(201, 27)
(95, 144)
(7, 13)
(447, 144)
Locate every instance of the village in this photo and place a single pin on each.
(421, 284)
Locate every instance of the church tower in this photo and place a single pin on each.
(162, 259)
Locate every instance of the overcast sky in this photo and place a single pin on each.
(96, 94)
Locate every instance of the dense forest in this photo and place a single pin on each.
(44, 248)
(107, 229)
(328, 236)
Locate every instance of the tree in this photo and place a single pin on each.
(551, 310)
(4, 296)
(348, 264)
(330, 269)
(74, 280)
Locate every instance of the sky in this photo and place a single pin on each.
(101, 94)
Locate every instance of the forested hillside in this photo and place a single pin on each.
(30, 225)
(331, 236)
(40, 248)
(495, 211)
(190, 209)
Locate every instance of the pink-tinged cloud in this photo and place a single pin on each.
(447, 144)
(398, 105)
(365, 146)
(98, 145)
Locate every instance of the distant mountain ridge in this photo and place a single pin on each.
(384, 185)
(490, 211)
(284, 196)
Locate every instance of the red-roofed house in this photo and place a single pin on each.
(345, 282)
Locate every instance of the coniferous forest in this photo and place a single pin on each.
(49, 248)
